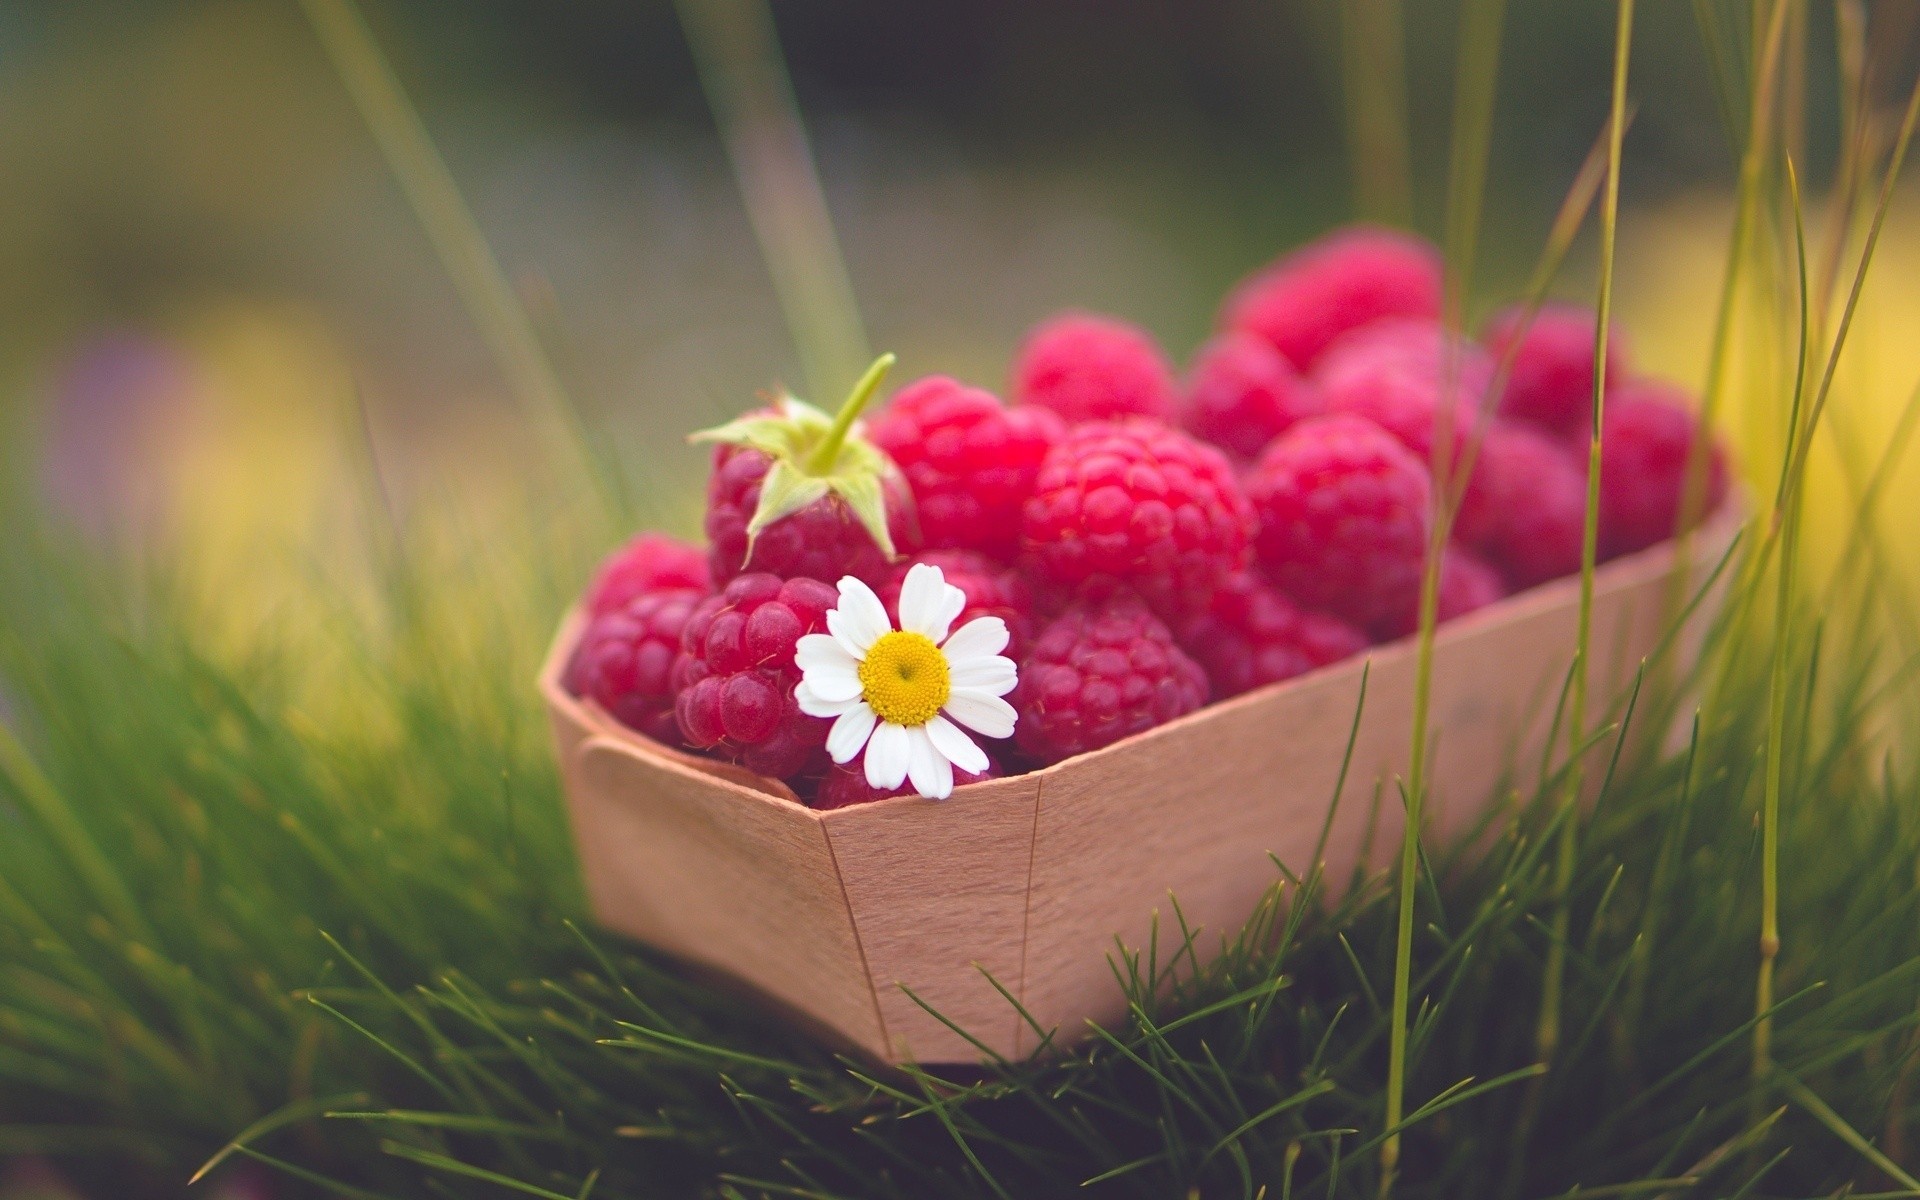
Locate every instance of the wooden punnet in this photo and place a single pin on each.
(835, 916)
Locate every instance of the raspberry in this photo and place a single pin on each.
(992, 588)
(1467, 582)
(1134, 504)
(1255, 634)
(1645, 439)
(1242, 393)
(970, 461)
(1349, 278)
(651, 562)
(845, 786)
(735, 675)
(1395, 372)
(624, 661)
(1551, 379)
(1344, 515)
(1526, 506)
(823, 540)
(1092, 368)
(1099, 673)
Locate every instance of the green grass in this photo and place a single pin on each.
(312, 901)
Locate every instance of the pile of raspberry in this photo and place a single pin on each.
(1155, 540)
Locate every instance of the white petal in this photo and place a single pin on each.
(929, 769)
(815, 705)
(825, 664)
(887, 756)
(850, 732)
(994, 676)
(978, 638)
(982, 712)
(928, 603)
(859, 620)
(957, 747)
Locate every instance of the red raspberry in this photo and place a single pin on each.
(624, 661)
(1092, 368)
(1467, 582)
(824, 540)
(1344, 515)
(992, 588)
(845, 786)
(1526, 506)
(735, 675)
(970, 461)
(1646, 437)
(1242, 393)
(651, 562)
(1255, 634)
(1551, 379)
(1099, 673)
(1349, 278)
(1134, 504)
(1395, 372)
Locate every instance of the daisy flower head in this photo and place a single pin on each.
(904, 695)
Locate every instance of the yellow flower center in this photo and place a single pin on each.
(905, 678)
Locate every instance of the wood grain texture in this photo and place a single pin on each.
(1038, 878)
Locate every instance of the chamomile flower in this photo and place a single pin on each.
(904, 694)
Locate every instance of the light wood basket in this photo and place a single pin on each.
(834, 916)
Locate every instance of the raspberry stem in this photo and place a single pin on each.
(821, 461)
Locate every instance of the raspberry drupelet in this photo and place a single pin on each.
(1242, 393)
(1344, 514)
(1525, 508)
(971, 461)
(1086, 367)
(1646, 437)
(651, 562)
(736, 673)
(624, 662)
(1098, 673)
(1135, 505)
(1254, 634)
(992, 588)
(1352, 277)
(1550, 382)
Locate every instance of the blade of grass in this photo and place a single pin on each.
(1373, 74)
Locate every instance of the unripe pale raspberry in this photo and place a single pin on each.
(1352, 277)
(992, 588)
(1467, 582)
(1099, 673)
(624, 662)
(824, 540)
(1526, 507)
(1134, 505)
(844, 786)
(1344, 514)
(1551, 380)
(1242, 393)
(970, 461)
(651, 562)
(735, 675)
(1254, 634)
(1092, 368)
(1646, 437)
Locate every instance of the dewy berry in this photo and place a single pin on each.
(1254, 634)
(1093, 368)
(799, 494)
(1134, 505)
(624, 661)
(1344, 514)
(1352, 277)
(1550, 381)
(970, 461)
(736, 674)
(992, 588)
(1646, 437)
(1099, 673)
(651, 562)
(846, 785)
(1242, 393)
(1525, 508)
